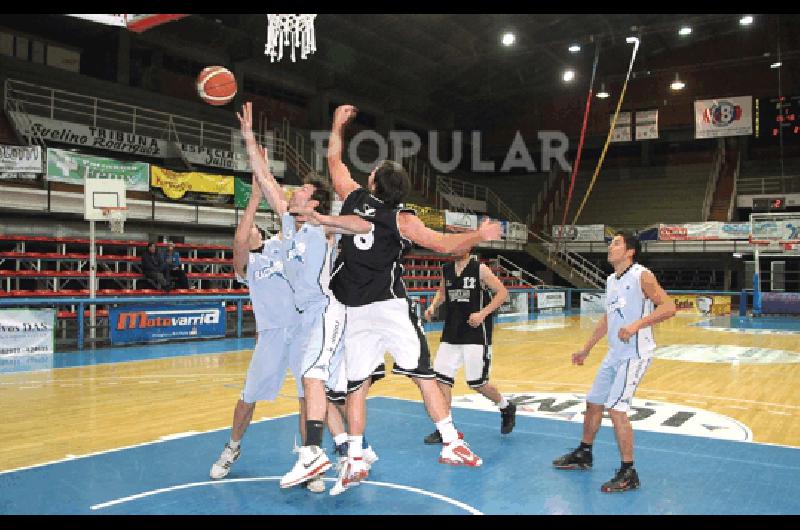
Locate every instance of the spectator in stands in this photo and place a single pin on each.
(175, 273)
(154, 268)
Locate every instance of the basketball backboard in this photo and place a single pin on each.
(102, 193)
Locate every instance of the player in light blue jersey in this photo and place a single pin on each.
(308, 257)
(260, 264)
(631, 294)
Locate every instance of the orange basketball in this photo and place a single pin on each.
(216, 85)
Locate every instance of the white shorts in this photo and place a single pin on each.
(476, 358)
(322, 332)
(276, 349)
(336, 387)
(616, 381)
(380, 327)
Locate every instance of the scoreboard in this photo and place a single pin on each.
(778, 114)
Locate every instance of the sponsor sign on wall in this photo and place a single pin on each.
(622, 130)
(242, 191)
(646, 124)
(135, 144)
(27, 331)
(432, 217)
(551, 300)
(580, 232)
(714, 118)
(73, 168)
(460, 221)
(516, 304)
(700, 304)
(162, 322)
(644, 414)
(176, 184)
(708, 231)
(518, 232)
(20, 159)
(593, 302)
(783, 229)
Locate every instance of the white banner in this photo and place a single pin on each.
(26, 331)
(136, 144)
(580, 232)
(518, 232)
(20, 159)
(708, 231)
(646, 124)
(551, 299)
(515, 305)
(110, 20)
(622, 131)
(714, 118)
(593, 302)
(786, 229)
(460, 221)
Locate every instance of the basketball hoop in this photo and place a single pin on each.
(116, 218)
(279, 30)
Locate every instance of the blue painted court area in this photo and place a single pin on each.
(680, 474)
(753, 325)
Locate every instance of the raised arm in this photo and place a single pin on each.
(241, 240)
(335, 224)
(260, 162)
(343, 183)
(412, 228)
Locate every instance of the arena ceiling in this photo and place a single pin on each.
(453, 65)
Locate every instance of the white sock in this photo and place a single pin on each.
(234, 445)
(354, 449)
(447, 429)
(339, 439)
(503, 402)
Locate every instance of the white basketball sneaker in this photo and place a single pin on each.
(458, 453)
(351, 473)
(222, 467)
(311, 462)
(370, 456)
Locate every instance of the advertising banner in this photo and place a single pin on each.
(593, 303)
(162, 322)
(622, 131)
(551, 300)
(580, 232)
(708, 231)
(518, 232)
(714, 118)
(175, 184)
(27, 331)
(646, 124)
(459, 221)
(73, 168)
(433, 218)
(134, 144)
(515, 305)
(20, 159)
(700, 304)
(242, 191)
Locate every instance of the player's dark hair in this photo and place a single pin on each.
(631, 242)
(391, 183)
(323, 192)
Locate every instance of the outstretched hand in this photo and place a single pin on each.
(246, 119)
(344, 114)
(310, 214)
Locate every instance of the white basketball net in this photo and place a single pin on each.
(296, 31)
(116, 218)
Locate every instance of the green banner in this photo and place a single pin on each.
(66, 166)
(241, 195)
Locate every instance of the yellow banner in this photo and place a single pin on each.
(175, 184)
(431, 217)
(701, 304)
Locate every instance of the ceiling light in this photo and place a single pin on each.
(569, 75)
(746, 20)
(603, 94)
(776, 65)
(677, 84)
(685, 30)
(575, 48)
(508, 38)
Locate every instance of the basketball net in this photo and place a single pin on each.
(116, 218)
(296, 31)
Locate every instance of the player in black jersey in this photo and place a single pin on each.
(467, 334)
(367, 278)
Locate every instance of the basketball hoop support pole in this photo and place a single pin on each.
(92, 282)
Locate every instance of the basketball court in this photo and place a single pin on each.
(104, 155)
